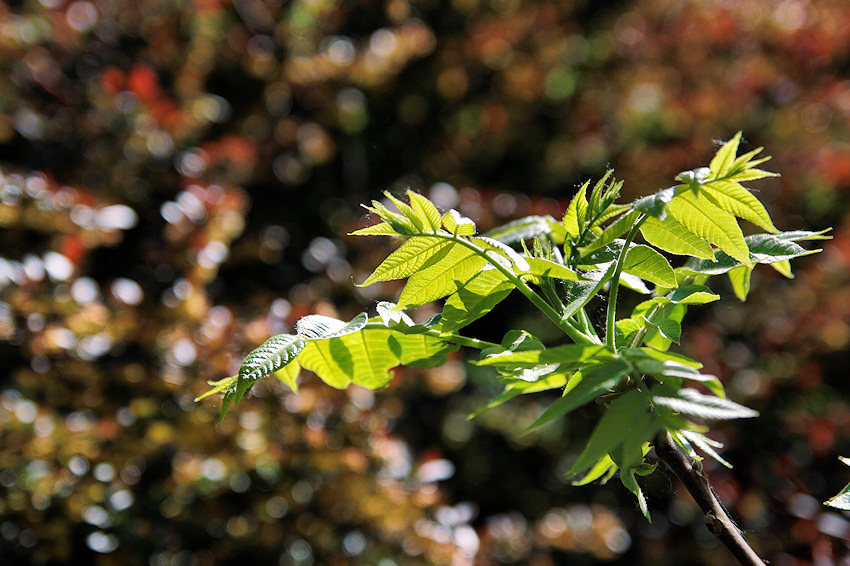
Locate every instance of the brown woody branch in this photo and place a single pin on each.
(716, 518)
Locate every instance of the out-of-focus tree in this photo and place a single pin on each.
(176, 178)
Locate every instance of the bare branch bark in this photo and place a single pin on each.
(716, 518)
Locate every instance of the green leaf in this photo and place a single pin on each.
(596, 205)
(399, 223)
(515, 388)
(646, 263)
(458, 224)
(604, 466)
(693, 403)
(711, 223)
(475, 298)
(609, 432)
(671, 235)
(721, 163)
(441, 275)
(577, 294)
(419, 222)
(408, 259)
(272, 355)
(693, 295)
(636, 354)
(393, 318)
(611, 233)
(522, 229)
(316, 326)
(566, 354)
(576, 213)
(705, 444)
(425, 210)
(628, 479)
(540, 267)
(671, 369)
(288, 375)
(379, 229)
(586, 386)
(740, 278)
(219, 386)
(670, 329)
(771, 248)
(735, 199)
(674, 312)
(366, 356)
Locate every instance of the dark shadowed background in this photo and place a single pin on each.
(176, 181)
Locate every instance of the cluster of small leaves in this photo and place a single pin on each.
(561, 266)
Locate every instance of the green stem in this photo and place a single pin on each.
(538, 301)
(615, 283)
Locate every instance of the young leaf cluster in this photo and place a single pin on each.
(561, 267)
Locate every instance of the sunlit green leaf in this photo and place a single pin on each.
(722, 162)
(458, 224)
(379, 229)
(441, 275)
(705, 444)
(425, 210)
(366, 356)
(671, 236)
(566, 354)
(478, 296)
(288, 374)
(735, 199)
(740, 278)
(711, 223)
(646, 263)
(611, 233)
(408, 259)
(605, 466)
(540, 267)
(268, 358)
(576, 213)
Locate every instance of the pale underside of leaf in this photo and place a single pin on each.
(693, 403)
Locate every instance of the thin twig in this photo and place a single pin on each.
(716, 518)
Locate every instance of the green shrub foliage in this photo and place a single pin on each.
(642, 388)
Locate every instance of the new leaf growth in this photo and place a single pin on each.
(645, 391)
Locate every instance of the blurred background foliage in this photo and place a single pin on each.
(176, 182)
